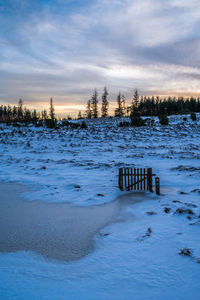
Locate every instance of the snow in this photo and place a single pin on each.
(127, 263)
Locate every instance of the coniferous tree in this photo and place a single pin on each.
(104, 108)
(89, 110)
(123, 106)
(34, 116)
(44, 114)
(94, 105)
(79, 115)
(119, 109)
(52, 110)
(135, 98)
(20, 110)
(14, 112)
(135, 117)
(27, 115)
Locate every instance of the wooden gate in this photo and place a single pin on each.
(138, 179)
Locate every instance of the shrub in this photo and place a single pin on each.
(124, 124)
(185, 252)
(136, 120)
(50, 123)
(163, 120)
(193, 116)
(83, 125)
(65, 123)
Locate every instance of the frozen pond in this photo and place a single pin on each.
(55, 230)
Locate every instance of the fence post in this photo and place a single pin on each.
(157, 184)
(149, 179)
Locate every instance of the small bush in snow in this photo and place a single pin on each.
(124, 124)
(50, 123)
(136, 120)
(185, 252)
(83, 125)
(182, 210)
(163, 120)
(167, 210)
(193, 116)
(149, 231)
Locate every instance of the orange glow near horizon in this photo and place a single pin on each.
(72, 109)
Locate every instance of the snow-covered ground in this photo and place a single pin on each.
(137, 257)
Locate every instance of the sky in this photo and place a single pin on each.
(66, 48)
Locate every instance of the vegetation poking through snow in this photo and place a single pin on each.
(163, 119)
(185, 252)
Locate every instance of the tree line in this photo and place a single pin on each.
(22, 114)
(146, 105)
(142, 105)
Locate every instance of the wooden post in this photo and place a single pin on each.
(157, 184)
(149, 178)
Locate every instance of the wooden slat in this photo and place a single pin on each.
(134, 178)
(141, 179)
(119, 179)
(131, 179)
(128, 183)
(125, 178)
(122, 179)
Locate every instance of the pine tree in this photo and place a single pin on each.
(34, 116)
(79, 115)
(104, 108)
(123, 106)
(88, 110)
(94, 104)
(44, 114)
(14, 112)
(51, 110)
(119, 109)
(136, 120)
(20, 110)
(136, 98)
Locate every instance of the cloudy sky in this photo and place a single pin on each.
(66, 48)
